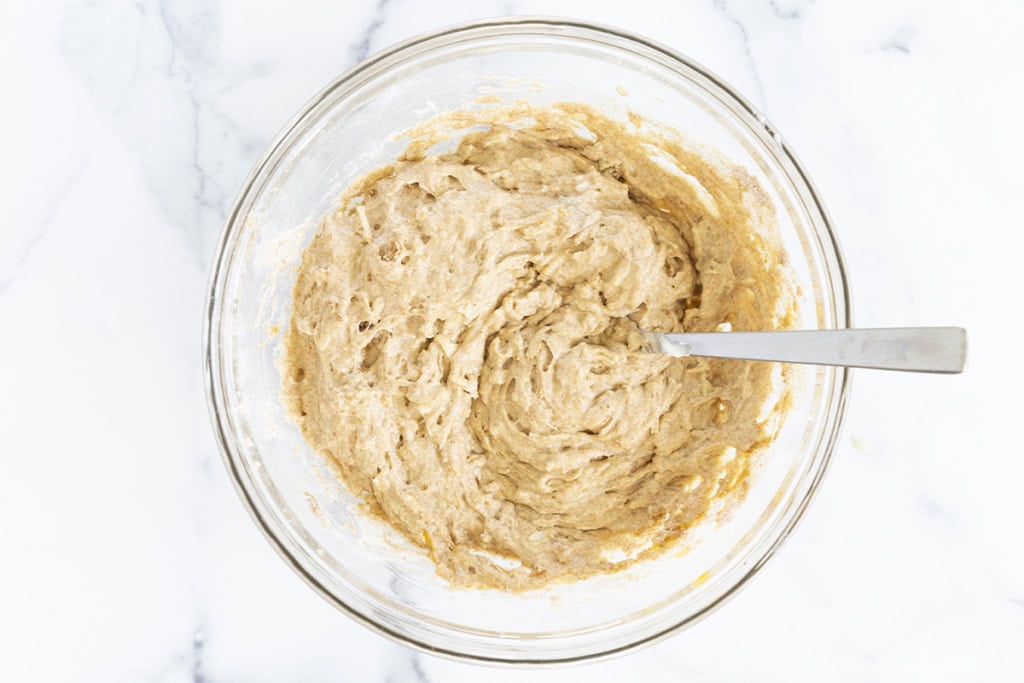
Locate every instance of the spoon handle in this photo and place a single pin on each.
(916, 349)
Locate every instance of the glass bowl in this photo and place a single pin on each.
(362, 566)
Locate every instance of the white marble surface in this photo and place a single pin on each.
(129, 125)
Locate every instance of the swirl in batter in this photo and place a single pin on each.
(466, 345)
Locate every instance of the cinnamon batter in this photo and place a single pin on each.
(466, 345)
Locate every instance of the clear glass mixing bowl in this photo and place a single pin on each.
(360, 565)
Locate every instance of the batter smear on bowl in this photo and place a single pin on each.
(466, 345)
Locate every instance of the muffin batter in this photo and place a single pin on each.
(466, 346)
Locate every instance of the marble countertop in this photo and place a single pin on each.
(130, 125)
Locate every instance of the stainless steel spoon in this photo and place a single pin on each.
(915, 349)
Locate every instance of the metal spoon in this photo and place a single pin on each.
(915, 349)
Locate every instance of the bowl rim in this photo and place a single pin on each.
(212, 366)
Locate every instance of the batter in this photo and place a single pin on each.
(466, 345)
